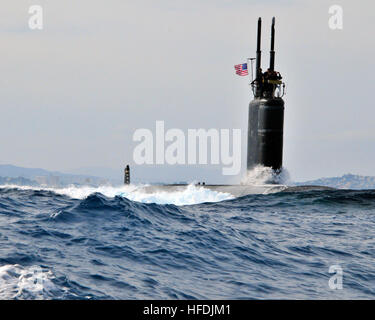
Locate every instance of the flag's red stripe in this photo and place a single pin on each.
(240, 71)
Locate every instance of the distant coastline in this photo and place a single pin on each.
(347, 181)
(10, 174)
(14, 175)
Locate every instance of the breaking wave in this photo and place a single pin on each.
(261, 175)
(190, 195)
(34, 282)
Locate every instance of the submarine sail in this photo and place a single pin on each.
(266, 112)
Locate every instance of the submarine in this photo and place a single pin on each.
(266, 112)
(265, 132)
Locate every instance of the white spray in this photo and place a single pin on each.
(261, 175)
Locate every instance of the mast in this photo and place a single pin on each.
(272, 52)
(258, 59)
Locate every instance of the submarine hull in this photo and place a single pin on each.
(234, 190)
(265, 133)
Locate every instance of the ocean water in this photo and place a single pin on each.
(120, 243)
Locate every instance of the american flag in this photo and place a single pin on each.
(241, 69)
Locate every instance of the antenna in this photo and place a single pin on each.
(272, 52)
(259, 53)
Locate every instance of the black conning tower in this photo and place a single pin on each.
(266, 112)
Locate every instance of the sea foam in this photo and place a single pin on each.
(187, 196)
(33, 282)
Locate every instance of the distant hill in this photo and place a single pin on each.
(10, 174)
(8, 170)
(347, 181)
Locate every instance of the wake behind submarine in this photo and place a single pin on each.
(265, 131)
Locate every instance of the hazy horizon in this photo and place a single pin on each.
(74, 92)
